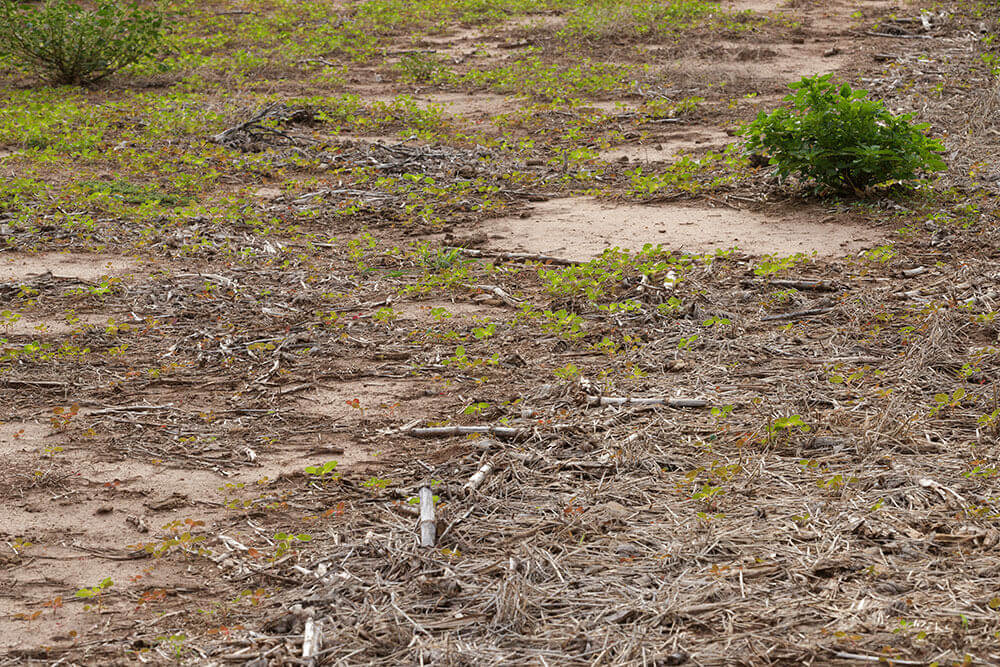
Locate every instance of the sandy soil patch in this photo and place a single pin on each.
(379, 397)
(17, 437)
(581, 229)
(459, 104)
(755, 6)
(699, 139)
(88, 268)
(750, 68)
(96, 515)
(440, 310)
(56, 325)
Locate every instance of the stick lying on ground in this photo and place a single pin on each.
(428, 525)
(478, 477)
(517, 256)
(447, 431)
(312, 639)
(796, 314)
(628, 400)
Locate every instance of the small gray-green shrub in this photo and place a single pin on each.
(67, 44)
(835, 136)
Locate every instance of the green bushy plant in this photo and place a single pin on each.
(67, 44)
(838, 138)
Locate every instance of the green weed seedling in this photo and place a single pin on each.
(685, 343)
(94, 593)
(175, 644)
(780, 428)
(774, 264)
(476, 409)
(385, 315)
(707, 492)
(945, 401)
(323, 472)
(722, 412)
(482, 333)
(377, 483)
(785, 424)
(286, 540)
(178, 538)
(415, 500)
(8, 318)
(564, 324)
(990, 421)
(568, 372)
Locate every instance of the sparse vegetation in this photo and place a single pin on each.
(315, 269)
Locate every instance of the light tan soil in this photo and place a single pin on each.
(87, 268)
(581, 229)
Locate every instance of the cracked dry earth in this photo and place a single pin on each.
(172, 390)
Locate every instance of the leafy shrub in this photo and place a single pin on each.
(67, 44)
(838, 138)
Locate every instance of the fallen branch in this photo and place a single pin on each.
(479, 477)
(877, 658)
(500, 294)
(806, 285)
(892, 36)
(796, 314)
(448, 431)
(515, 256)
(628, 400)
(131, 408)
(941, 489)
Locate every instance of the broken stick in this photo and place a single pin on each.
(428, 525)
(477, 479)
(628, 400)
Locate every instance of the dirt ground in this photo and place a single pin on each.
(771, 441)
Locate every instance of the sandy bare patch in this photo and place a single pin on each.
(458, 45)
(754, 67)
(544, 22)
(17, 437)
(290, 458)
(79, 532)
(699, 139)
(47, 610)
(473, 106)
(57, 325)
(469, 105)
(755, 6)
(94, 517)
(581, 229)
(379, 398)
(439, 310)
(88, 268)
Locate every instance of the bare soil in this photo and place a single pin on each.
(580, 229)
